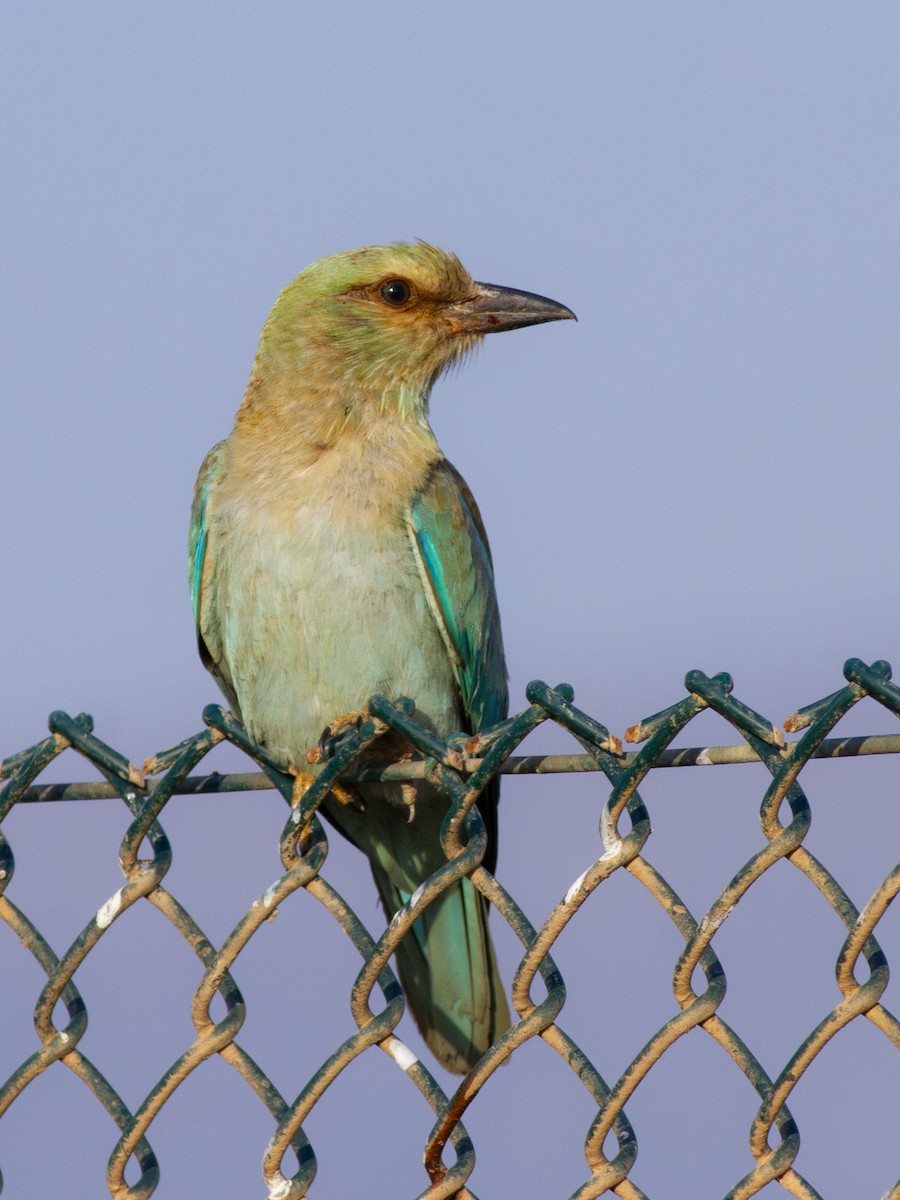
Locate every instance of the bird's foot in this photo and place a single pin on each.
(347, 720)
(340, 725)
(301, 785)
(408, 793)
(345, 795)
(348, 796)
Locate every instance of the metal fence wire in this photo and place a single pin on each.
(461, 767)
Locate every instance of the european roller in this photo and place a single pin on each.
(336, 553)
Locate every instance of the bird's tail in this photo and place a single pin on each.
(449, 973)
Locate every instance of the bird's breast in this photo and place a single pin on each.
(319, 604)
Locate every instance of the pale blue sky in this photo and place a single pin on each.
(700, 473)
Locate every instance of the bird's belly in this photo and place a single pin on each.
(317, 624)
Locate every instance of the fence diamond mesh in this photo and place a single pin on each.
(461, 767)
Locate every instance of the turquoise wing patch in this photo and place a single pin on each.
(456, 565)
(197, 553)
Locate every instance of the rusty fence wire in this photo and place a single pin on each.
(461, 768)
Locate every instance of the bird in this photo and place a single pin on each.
(335, 553)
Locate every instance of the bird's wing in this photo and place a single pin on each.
(199, 575)
(455, 563)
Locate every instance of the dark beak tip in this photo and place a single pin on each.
(562, 314)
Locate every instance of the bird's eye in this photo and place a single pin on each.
(395, 292)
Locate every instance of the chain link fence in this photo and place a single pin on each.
(461, 768)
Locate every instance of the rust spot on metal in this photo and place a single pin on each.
(455, 759)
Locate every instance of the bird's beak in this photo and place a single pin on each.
(493, 309)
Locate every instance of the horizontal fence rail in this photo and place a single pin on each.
(461, 768)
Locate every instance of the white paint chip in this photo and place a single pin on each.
(280, 1189)
(576, 887)
(402, 1055)
(107, 913)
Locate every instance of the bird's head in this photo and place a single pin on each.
(388, 319)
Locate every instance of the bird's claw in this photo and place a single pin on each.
(349, 797)
(326, 745)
